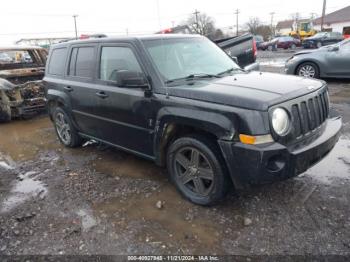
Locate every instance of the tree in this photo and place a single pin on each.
(202, 24)
(253, 25)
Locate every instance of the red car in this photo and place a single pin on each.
(284, 42)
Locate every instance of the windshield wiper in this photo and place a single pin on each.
(229, 71)
(192, 76)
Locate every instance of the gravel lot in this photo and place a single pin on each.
(97, 200)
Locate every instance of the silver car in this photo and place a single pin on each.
(329, 61)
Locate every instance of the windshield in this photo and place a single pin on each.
(178, 58)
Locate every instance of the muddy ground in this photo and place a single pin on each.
(98, 200)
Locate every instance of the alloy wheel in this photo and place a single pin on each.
(63, 128)
(307, 71)
(194, 171)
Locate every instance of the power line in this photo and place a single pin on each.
(75, 26)
(272, 14)
(196, 12)
(323, 14)
(236, 13)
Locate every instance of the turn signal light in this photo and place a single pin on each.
(255, 140)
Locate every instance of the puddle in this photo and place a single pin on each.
(23, 139)
(87, 219)
(6, 162)
(334, 166)
(25, 188)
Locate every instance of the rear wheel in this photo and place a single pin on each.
(308, 69)
(65, 130)
(198, 170)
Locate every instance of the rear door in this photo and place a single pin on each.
(80, 86)
(123, 115)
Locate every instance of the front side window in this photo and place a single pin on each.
(82, 62)
(180, 57)
(114, 59)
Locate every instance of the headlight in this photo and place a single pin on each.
(280, 121)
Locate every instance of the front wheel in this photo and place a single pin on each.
(65, 130)
(198, 170)
(308, 69)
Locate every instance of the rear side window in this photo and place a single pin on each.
(57, 61)
(82, 62)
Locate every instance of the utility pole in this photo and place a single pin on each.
(236, 13)
(75, 26)
(272, 14)
(196, 12)
(323, 14)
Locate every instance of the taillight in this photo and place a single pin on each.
(255, 50)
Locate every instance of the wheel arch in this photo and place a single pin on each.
(313, 61)
(180, 122)
(56, 98)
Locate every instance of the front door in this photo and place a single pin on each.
(125, 116)
(339, 61)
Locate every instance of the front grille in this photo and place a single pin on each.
(309, 114)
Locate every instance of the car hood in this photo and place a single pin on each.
(253, 90)
(311, 51)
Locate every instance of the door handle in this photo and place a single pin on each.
(68, 88)
(102, 94)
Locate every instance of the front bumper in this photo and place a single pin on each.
(261, 164)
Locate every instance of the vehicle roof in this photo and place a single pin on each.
(19, 47)
(126, 38)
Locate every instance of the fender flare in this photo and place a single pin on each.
(214, 123)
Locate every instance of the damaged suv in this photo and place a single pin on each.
(182, 102)
(21, 88)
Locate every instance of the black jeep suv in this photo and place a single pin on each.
(182, 102)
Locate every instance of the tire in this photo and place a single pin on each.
(198, 170)
(319, 44)
(65, 130)
(308, 69)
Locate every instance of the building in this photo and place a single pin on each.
(286, 26)
(338, 21)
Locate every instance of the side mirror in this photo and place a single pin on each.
(131, 79)
(333, 48)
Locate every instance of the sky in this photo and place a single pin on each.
(53, 18)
